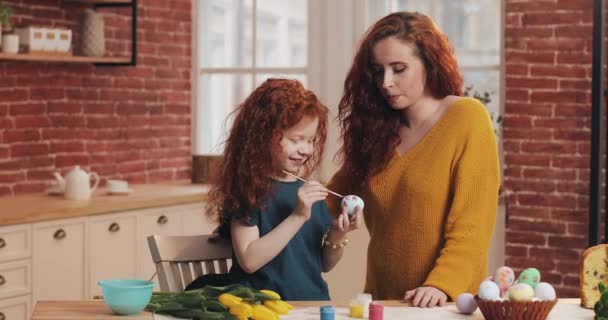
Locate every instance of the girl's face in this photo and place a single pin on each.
(297, 144)
(399, 72)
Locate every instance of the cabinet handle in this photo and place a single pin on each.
(162, 219)
(114, 227)
(2, 316)
(2, 280)
(2, 243)
(59, 234)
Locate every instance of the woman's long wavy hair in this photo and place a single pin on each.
(370, 127)
(244, 177)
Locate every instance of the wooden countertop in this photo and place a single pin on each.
(42, 207)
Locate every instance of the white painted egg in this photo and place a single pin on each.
(488, 290)
(465, 303)
(521, 292)
(351, 203)
(544, 292)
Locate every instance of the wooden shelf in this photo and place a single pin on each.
(102, 1)
(62, 58)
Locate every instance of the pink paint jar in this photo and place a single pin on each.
(376, 311)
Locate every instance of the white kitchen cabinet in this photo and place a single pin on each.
(15, 242)
(18, 308)
(112, 247)
(15, 278)
(195, 221)
(59, 264)
(64, 259)
(15, 271)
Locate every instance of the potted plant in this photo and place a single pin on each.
(6, 12)
(485, 98)
(10, 42)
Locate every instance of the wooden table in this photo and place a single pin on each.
(97, 310)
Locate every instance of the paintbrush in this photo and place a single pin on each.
(302, 179)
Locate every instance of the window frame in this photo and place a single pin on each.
(202, 143)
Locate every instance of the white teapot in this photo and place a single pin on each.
(59, 186)
(78, 184)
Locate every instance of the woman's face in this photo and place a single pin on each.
(399, 72)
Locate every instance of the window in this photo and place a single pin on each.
(239, 44)
(474, 30)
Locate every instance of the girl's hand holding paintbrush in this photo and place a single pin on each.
(308, 194)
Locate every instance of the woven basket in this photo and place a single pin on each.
(515, 310)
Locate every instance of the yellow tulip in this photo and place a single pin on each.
(229, 300)
(262, 313)
(241, 310)
(280, 307)
(271, 293)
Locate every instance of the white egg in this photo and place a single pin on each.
(544, 292)
(351, 203)
(465, 303)
(488, 290)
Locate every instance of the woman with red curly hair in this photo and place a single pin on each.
(424, 159)
(283, 237)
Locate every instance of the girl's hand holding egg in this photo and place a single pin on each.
(346, 223)
(351, 203)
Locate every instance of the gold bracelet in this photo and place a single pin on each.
(328, 243)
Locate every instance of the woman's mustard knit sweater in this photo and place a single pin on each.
(431, 212)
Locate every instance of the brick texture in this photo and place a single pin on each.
(121, 122)
(547, 129)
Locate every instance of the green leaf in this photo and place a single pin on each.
(601, 287)
(260, 296)
(190, 299)
(214, 306)
(170, 307)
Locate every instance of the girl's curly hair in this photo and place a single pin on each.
(244, 177)
(370, 127)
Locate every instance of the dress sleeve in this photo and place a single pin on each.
(252, 220)
(472, 214)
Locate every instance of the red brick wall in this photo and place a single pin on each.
(121, 122)
(548, 47)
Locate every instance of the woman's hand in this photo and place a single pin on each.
(426, 297)
(308, 194)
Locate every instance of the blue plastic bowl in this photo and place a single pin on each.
(126, 297)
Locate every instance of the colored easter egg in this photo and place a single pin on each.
(521, 292)
(488, 290)
(530, 276)
(465, 303)
(504, 278)
(351, 203)
(544, 292)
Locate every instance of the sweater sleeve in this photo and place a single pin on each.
(472, 214)
(337, 183)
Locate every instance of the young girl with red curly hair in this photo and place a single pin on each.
(283, 236)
